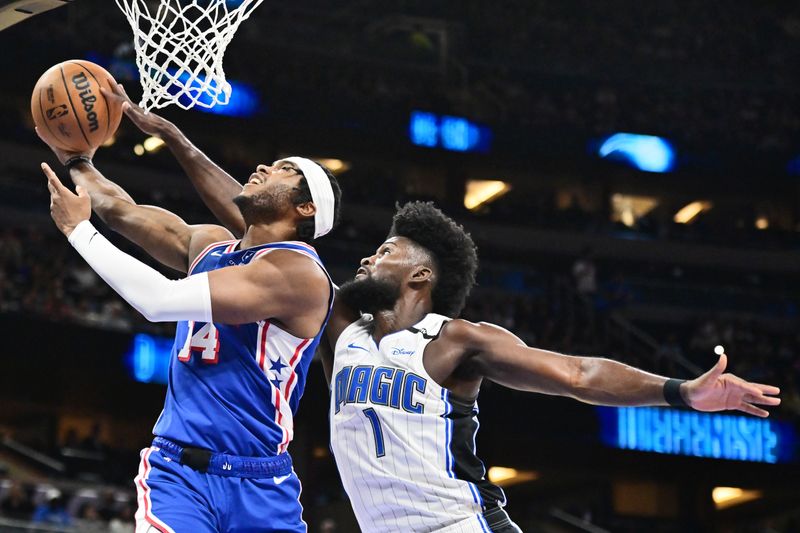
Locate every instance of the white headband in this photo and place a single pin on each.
(321, 194)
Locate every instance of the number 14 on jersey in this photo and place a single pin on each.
(205, 340)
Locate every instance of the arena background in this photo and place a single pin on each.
(649, 250)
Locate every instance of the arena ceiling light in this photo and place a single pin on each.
(725, 497)
(644, 152)
(690, 211)
(153, 144)
(337, 166)
(481, 192)
(504, 476)
(628, 208)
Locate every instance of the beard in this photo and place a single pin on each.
(265, 207)
(369, 295)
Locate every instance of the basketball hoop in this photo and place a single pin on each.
(180, 46)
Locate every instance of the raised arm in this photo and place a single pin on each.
(162, 234)
(500, 356)
(280, 284)
(216, 187)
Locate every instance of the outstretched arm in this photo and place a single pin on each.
(162, 234)
(500, 356)
(264, 288)
(216, 187)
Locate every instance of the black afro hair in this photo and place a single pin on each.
(452, 248)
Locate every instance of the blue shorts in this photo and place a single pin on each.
(174, 498)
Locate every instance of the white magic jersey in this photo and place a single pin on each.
(404, 446)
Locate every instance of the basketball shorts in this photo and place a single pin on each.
(235, 494)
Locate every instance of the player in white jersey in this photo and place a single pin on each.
(406, 377)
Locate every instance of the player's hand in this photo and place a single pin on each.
(62, 155)
(715, 391)
(67, 208)
(149, 122)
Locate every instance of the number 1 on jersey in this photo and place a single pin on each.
(205, 341)
(377, 430)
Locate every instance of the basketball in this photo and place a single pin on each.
(68, 108)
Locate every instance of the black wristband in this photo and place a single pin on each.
(672, 393)
(77, 160)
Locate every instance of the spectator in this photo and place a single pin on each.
(52, 511)
(584, 274)
(17, 504)
(123, 521)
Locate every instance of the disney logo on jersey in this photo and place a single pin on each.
(402, 351)
(391, 387)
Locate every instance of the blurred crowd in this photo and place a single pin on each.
(80, 509)
(705, 74)
(701, 74)
(555, 307)
(42, 276)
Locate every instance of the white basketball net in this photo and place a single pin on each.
(180, 47)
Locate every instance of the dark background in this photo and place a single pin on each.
(550, 79)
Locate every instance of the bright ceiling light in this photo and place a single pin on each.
(337, 166)
(151, 144)
(504, 476)
(762, 223)
(725, 497)
(645, 152)
(138, 149)
(501, 473)
(480, 192)
(628, 209)
(689, 212)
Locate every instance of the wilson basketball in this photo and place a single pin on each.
(68, 108)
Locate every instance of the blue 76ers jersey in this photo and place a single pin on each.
(235, 388)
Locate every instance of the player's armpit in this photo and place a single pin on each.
(282, 285)
(504, 358)
(341, 317)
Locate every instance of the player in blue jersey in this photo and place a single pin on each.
(250, 315)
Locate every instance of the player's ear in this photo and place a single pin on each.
(421, 273)
(307, 209)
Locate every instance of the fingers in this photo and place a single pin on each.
(54, 184)
(717, 370)
(767, 389)
(752, 410)
(761, 400)
(52, 179)
(117, 91)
